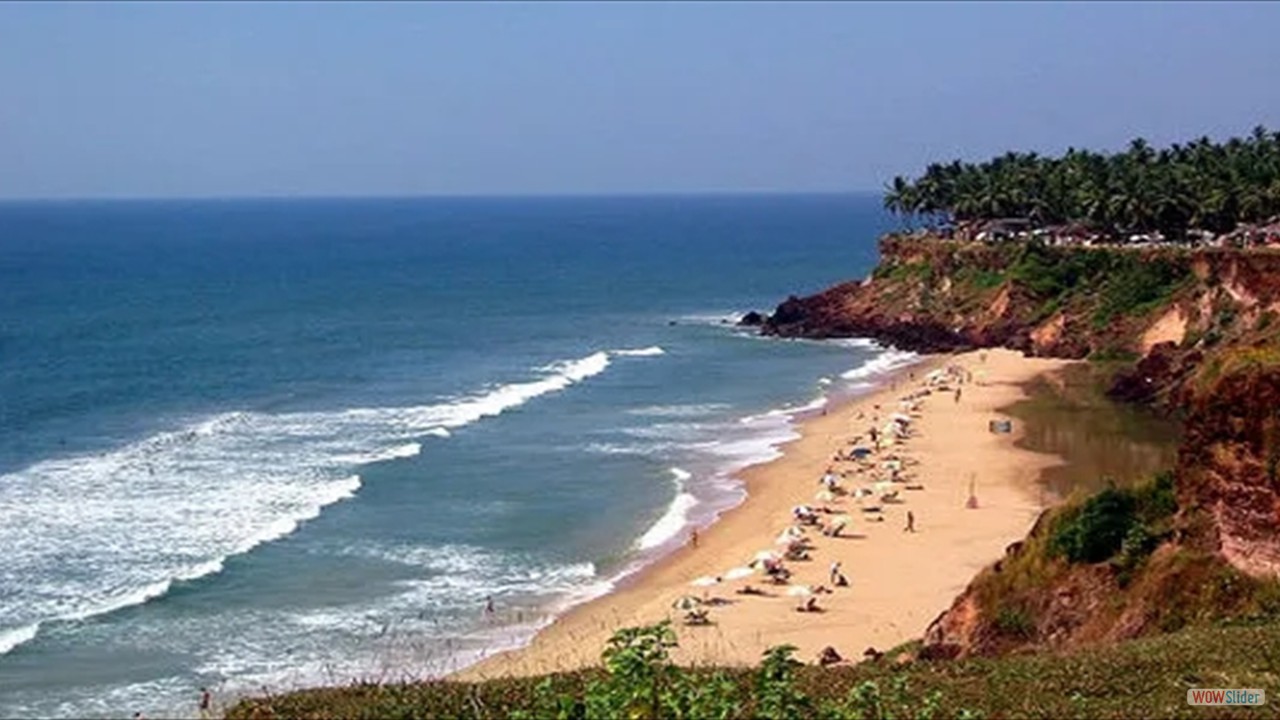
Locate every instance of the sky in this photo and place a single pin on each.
(237, 99)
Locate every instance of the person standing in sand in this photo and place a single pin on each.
(693, 537)
(835, 572)
(911, 522)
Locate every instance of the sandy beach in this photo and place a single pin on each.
(898, 580)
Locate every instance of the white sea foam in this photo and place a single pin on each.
(10, 639)
(721, 318)
(642, 352)
(676, 517)
(787, 411)
(174, 506)
(886, 362)
(854, 343)
(678, 410)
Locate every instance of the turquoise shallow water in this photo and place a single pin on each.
(272, 443)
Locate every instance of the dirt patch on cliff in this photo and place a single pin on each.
(1170, 327)
(1048, 334)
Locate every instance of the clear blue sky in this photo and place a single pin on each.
(241, 99)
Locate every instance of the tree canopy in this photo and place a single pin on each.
(1200, 184)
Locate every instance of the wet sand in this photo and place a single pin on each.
(899, 580)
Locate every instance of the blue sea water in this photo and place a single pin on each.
(271, 443)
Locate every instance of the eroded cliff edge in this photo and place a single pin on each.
(1192, 333)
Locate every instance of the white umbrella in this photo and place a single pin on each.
(884, 486)
(825, 496)
(784, 539)
(799, 591)
(705, 581)
(738, 572)
(686, 603)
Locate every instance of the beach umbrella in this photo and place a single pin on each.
(825, 496)
(705, 581)
(884, 486)
(784, 539)
(799, 591)
(841, 520)
(738, 572)
(686, 603)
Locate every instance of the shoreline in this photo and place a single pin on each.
(898, 581)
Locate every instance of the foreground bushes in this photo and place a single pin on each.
(1136, 679)
(640, 681)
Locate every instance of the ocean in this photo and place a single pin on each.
(251, 444)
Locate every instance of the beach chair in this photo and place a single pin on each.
(697, 616)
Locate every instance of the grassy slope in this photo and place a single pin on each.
(1142, 678)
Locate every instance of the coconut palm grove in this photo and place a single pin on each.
(1191, 191)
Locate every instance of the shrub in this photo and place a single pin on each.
(867, 702)
(1095, 530)
(1130, 521)
(776, 695)
(1015, 622)
(1134, 286)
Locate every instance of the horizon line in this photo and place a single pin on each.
(440, 196)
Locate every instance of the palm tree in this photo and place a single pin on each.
(1195, 184)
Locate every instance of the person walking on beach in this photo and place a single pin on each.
(911, 522)
(957, 396)
(835, 572)
(488, 607)
(693, 537)
(206, 704)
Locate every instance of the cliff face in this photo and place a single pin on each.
(1216, 556)
(1229, 464)
(1199, 332)
(1167, 308)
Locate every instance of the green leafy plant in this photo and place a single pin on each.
(777, 697)
(1095, 530)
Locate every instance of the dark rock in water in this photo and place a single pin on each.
(671, 322)
(752, 319)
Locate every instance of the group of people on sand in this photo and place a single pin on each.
(873, 457)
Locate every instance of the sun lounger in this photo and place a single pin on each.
(697, 617)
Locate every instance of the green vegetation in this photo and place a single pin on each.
(1117, 284)
(904, 271)
(979, 278)
(637, 681)
(1202, 184)
(1148, 677)
(1117, 521)
(1136, 286)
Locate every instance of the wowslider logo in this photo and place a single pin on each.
(1218, 697)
